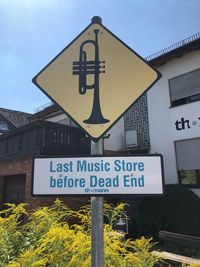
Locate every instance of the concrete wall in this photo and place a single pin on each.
(162, 117)
(116, 141)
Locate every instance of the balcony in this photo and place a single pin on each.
(44, 138)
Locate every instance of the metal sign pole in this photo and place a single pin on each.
(97, 239)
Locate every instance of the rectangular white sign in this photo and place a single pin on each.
(131, 175)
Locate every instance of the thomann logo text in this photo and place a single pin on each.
(183, 124)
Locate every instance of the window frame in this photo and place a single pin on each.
(15, 178)
(185, 100)
(197, 185)
(3, 123)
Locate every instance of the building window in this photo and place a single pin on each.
(14, 189)
(3, 126)
(185, 88)
(188, 161)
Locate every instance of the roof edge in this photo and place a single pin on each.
(175, 47)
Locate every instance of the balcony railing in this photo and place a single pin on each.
(44, 138)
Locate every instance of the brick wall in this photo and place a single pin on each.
(24, 166)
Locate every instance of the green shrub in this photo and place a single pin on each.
(178, 211)
(46, 238)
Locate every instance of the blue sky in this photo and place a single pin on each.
(32, 32)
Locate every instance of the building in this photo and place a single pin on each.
(19, 146)
(171, 124)
(174, 111)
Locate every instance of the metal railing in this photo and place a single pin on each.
(46, 105)
(174, 46)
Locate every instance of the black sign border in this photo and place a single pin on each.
(98, 195)
(34, 80)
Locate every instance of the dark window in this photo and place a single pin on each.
(3, 126)
(185, 88)
(14, 189)
(188, 161)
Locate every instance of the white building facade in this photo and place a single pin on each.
(174, 114)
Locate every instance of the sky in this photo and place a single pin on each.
(33, 32)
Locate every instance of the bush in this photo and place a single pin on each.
(178, 211)
(46, 238)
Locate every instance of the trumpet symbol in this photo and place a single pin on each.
(95, 67)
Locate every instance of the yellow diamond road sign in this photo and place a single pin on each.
(96, 79)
